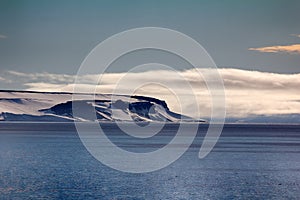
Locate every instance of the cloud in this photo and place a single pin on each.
(37, 77)
(3, 36)
(296, 35)
(247, 92)
(293, 49)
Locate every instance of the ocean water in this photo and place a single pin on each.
(48, 161)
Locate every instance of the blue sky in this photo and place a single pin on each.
(55, 36)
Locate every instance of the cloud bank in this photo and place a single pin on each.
(248, 93)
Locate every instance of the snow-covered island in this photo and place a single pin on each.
(59, 107)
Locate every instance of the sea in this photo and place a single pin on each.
(249, 161)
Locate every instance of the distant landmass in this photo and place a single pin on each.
(59, 107)
(267, 119)
(31, 106)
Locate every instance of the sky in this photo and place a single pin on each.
(55, 36)
(255, 44)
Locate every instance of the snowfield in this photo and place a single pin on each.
(59, 107)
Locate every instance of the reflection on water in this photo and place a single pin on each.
(249, 162)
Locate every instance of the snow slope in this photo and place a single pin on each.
(58, 107)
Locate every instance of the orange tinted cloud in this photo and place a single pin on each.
(294, 49)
